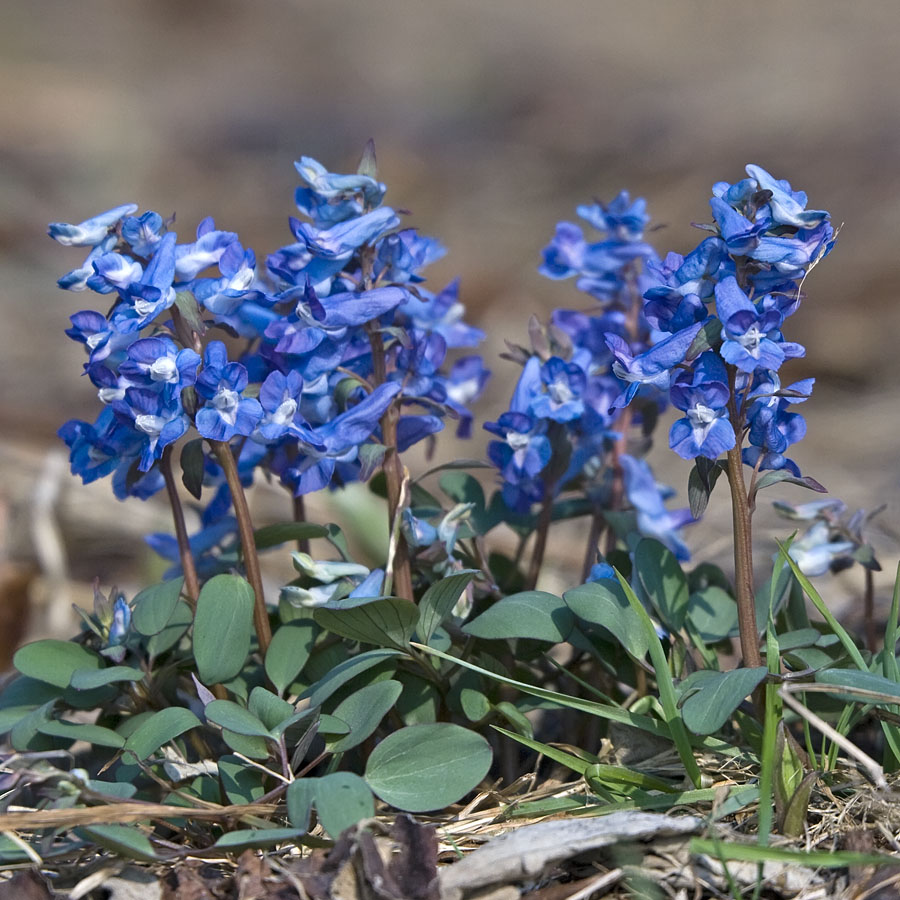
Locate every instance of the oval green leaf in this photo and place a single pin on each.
(604, 603)
(343, 672)
(223, 627)
(427, 767)
(235, 718)
(288, 652)
(153, 606)
(175, 629)
(530, 614)
(88, 679)
(363, 711)
(663, 581)
(252, 838)
(54, 661)
(92, 734)
(123, 840)
(383, 621)
(711, 697)
(159, 729)
(342, 799)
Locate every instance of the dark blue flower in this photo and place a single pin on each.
(158, 363)
(226, 413)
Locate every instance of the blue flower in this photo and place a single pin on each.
(143, 233)
(158, 416)
(652, 367)
(703, 394)
(564, 384)
(91, 232)
(114, 272)
(226, 413)
(329, 198)
(817, 550)
(401, 256)
(77, 279)
(646, 497)
(786, 207)
(157, 363)
(207, 250)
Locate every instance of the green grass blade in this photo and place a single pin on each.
(665, 686)
(830, 859)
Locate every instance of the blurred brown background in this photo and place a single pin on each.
(492, 120)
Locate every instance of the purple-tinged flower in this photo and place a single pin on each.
(341, 241)
(647, 498)
(564, 255)
(401, 256)
(622, 219)
(96, 450)
(223, 296)
(99, 337)
(464, 385)
(740, 234)
(654, 366)
(91, 232)
(524, 449)
(226, 413)
(329, 198)
(153, 293)
(442, 313)
(279, 396)
(208, 545)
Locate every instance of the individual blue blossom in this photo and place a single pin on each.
(703, 395)
(158, 416)
(564, 384)
(92, 231)
(786, 207)
(221, 383)
(520, 456)
(223, 296)
(625, 220)
(464, 385)
(157, 362)
(77, 279)
(653, 367)
(143, 233)
(152, 294)
(417, 531)
(279, 396)
(647, 499)
(564, 255)
(752, 339)
(114, 272)
(206, 251)
(817, 550)
(740, 235)
(602, 571)
(329, 198)
(401, 256)
(101, 340)
(96, 450)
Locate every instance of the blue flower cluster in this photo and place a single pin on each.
(334, 329)
(718, 314)
(566, 428)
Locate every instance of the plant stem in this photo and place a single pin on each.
(393, 470)
(191, 582)
(540, 543)
(245, 528)
(300, 516)
(743, 539)
(590, 551)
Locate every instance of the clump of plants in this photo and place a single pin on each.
(232, 719)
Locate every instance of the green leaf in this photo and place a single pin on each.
(159, 729)
(192, 467)
(187, 305)
(427, 767)
(241, 783)
(519, 721)
(663, 581)
(709, 698)
(153, 606)
(530, 614)
(300, 796)
(383, 621)
(701, 482)
(863, 687)
(24, 691)
(463, 488)
(420, 701)
(363, 711)
(89, 679)
(793, 820)
(712, 612)
(92, 734)
(54, 661)
(604, 603)
(270, 709)
(288, 652)
(439, 599)
(249, 745)
(707, 337)
(25, 733)
(285, 532)
(777, 476)
(342, 800)
(235, 718)
(178, 624)
(343, 672)
(253, 838)
(223, 627)
(123, 840)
